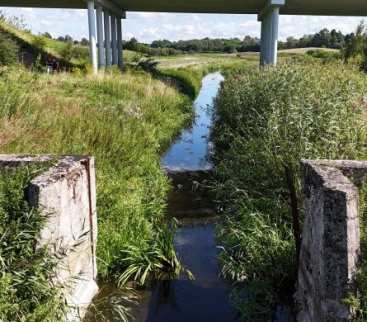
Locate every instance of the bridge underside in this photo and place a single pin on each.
(291, 7)
(104, 18)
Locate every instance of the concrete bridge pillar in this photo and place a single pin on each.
(269, 18)
(114, 39)
(105, 34)
(120, 60)
(100, 38)
(107, 30)
(92, 35)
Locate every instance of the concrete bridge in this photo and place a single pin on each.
(104, 17)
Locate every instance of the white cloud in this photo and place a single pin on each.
(150, 26)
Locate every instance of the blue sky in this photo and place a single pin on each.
(151, 26)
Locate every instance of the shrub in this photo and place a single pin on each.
(268, 120)
(67, 52)
(26, 289)
(324, 54)
(9, 50)
(40, 42)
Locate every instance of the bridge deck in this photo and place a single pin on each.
(293, 7)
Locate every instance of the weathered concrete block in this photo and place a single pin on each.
(66, 195)
(330, 250)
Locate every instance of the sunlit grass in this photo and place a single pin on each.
(125, 121)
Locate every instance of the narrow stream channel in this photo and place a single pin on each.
(205, 299)
(191, 150)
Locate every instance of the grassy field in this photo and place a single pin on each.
(267, 121)
(126, 122)
(202, 60)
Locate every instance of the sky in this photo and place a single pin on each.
(147, 27)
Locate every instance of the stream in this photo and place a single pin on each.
(206, 298)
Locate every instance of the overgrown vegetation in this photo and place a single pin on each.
(268, 120)
(26, 289)
(41, 45)
(9, 50)
(125, 122)
(356, 47)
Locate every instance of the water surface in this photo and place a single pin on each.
(205, 299)
(191, 150)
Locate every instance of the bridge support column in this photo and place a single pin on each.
(269, 18)
(92, 35)
(120, 60)
(114, 39)
(100, 38)
(107, 30)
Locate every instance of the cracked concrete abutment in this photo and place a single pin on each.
(330, 251)
(66, 195)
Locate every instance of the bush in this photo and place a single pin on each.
(9, 50)
(40, 42)
(26, 289)
(67, 52)
(324, 54)
(268, 120)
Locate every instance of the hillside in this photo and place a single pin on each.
(69, 55)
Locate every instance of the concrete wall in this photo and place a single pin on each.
(66, 196)
(330, 251)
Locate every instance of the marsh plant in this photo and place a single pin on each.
(267, 121)
(27, 292)
(113, 305)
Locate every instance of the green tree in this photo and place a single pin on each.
(355, 43)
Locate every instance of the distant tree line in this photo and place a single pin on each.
(323, 39)
(69, 39)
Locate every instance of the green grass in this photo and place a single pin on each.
(26, 289)
(45, 45)
(267, 121)
(125, 121)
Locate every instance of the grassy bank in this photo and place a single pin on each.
(26, 290)
(189, 78)
(268, 120)
(125, 122)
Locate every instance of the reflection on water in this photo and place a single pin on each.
(204, 299)
(191, 150)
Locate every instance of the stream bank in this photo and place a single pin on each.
(206, 298)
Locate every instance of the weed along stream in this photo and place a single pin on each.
(206, 297)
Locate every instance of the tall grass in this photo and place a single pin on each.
(125, 121)
(26, 289)
(267, 121)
